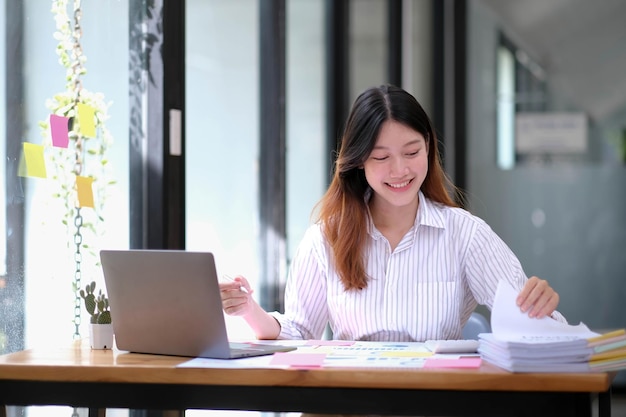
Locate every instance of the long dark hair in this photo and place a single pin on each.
(343, 210)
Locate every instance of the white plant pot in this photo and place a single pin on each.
(101, 336)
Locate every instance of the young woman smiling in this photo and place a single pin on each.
(391, 256)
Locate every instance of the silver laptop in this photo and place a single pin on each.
(168, 302)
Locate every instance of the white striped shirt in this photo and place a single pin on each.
(446, 264)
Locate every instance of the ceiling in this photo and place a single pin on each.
(581, 45)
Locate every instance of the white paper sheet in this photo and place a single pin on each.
(508, 322)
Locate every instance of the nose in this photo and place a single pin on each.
(398, 167)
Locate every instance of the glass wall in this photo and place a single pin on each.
(368, 45)
(3, 157)
(43, 183)
(222, 126)
(52, 255)
(306, 153)
(222, 130)
(64, 170)
(222, 135)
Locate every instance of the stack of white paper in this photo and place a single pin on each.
(523, 344)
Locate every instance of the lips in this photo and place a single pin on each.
(399, 185)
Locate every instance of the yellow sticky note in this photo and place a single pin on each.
(34, 161)
(87, 120)
(85, 191)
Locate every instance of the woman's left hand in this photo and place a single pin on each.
(537, 298)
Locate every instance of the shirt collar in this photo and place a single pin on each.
(428, 214)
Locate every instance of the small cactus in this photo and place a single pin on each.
(97, 306)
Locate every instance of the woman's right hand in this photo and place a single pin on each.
(236, 296)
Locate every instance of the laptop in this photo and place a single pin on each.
(168, 302)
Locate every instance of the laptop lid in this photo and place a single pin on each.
(168, 302)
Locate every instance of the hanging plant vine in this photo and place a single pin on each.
(85, 155)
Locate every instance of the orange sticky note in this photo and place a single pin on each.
(87, 120)
(59, 129)
(85, 191)
(35, 163)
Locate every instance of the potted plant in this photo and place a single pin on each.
(100, 327)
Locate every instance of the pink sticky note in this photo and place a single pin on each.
(463, 362)
(329, 343)
(59, 129)
(298, 360)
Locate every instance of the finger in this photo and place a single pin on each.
(233, 311)
(243, 281)
(546, 305)
(541, 299)
(534, 290)
(526, 290)
(231, 303)
(247, 287)
(234, 294)
(235, 308)
(229, 286)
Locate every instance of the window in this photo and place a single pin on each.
(41, 257)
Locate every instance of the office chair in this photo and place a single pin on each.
(476, 324)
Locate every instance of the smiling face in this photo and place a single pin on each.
(397, 165)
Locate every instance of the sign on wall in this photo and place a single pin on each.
(559, 133)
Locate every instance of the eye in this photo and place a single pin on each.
(414, 153)
(379, 158)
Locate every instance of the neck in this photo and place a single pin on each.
(388, 217)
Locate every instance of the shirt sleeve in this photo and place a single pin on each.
(489, 260)
(306, 307)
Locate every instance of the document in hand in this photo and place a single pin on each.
(523, 344)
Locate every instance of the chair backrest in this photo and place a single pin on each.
(476, 324)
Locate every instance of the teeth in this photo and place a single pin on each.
(403, 184)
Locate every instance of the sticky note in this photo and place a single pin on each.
(86, 120)
(35, 165)
(463, 362)
(85, 191)
(298, 360)
(59, 129)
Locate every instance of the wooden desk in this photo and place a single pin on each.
(80, 377)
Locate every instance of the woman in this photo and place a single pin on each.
(392, 257)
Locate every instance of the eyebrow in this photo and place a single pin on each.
(413, 142)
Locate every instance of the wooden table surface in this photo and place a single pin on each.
(78, 363)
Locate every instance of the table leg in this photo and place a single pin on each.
(604, 404)
(97, 412)
(154, 413)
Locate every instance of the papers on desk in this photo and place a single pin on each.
(523, 344)
(328, 354)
